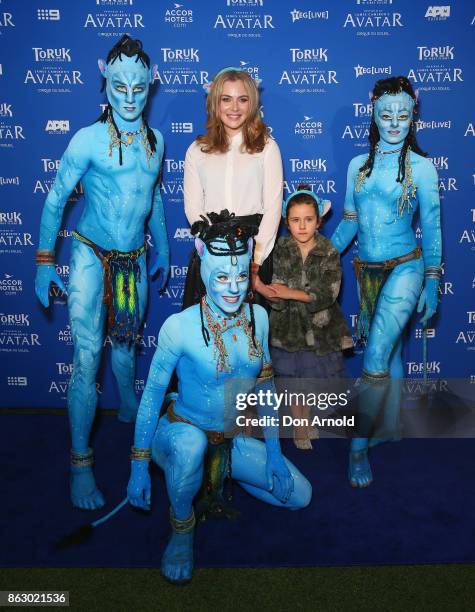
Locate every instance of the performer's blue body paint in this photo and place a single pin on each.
(120, 200)
(178, 447)
(382, 222)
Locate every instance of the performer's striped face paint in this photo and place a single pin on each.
(226, 278)
(393, 116)
(127, 84)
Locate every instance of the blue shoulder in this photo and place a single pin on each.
(160, 141)
(262, 319)
(423, 168)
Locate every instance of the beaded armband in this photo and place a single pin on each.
(82, 459)
(44, 257)
(184, 526)
(350, 215)
(266, 372)
(433, 272)
(140, 454)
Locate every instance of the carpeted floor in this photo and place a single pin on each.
(419, 509)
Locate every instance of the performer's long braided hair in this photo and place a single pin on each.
(393, 85)
(128, 47)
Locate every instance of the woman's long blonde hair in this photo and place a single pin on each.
(254, 131)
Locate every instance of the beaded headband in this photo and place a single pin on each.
(323, 205)
(225, 234)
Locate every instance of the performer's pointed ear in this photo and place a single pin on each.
(323, 207)
(102, 67)
(200, 246)
(250, 246)
(153, 73)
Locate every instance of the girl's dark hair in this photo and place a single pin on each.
(394, 85)
(129, 47)
(303, 198)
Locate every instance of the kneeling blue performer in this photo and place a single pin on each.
(212, 345)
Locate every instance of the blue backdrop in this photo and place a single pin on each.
(317, 60)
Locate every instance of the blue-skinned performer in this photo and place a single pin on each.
(117, 159)
(218, 346)
(384, 190)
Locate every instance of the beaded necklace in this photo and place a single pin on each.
(217, 330)
(117, 141)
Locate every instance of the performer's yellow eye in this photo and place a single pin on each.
(222, 278)
(241, 277)
(138, 89)
(121, 88)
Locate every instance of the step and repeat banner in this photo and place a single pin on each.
(317, 60)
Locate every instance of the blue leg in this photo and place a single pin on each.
(179, 449)
(123, 359)
(249, 469)
(383, 354)
(86, 314)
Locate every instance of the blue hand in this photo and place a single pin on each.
(279, 478)
(139, 487)
(428, 299)
(45, 275)
(161, 265)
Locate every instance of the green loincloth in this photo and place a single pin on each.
(121, 275)
(370, 281)
(371, 277)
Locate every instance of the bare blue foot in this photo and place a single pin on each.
(177, 560)
(128, 412)
(84, 493)
(359, 469)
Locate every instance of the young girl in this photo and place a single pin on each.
(308, 331)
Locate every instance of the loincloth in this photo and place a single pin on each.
(371, 276)
(210, 500)
(121, 275)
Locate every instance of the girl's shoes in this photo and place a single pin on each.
(302, 443)
(313, 433)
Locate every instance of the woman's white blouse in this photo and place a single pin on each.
(243, 183)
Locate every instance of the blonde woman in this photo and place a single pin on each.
(236, 166)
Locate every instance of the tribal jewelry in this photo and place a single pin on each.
(116, 141)
(350, 215)
(82, 459)
(44, 257)
(381, 153)
(409, 188)
(140, 454)
(182, 526)
(433, 272)
(217, 330)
